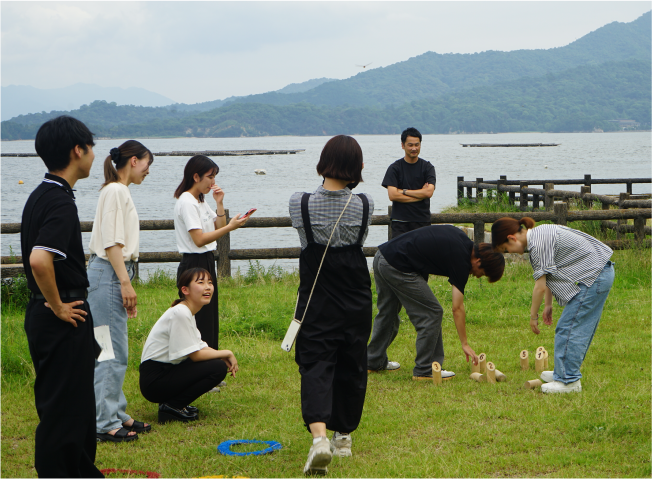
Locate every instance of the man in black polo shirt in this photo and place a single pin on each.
(410, 183)
(58, 321)
(399, 269)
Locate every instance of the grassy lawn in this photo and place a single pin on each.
(408, 429)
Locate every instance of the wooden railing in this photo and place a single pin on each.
(559, 214)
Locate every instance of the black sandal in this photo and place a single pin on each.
(138, 426)
(121, 435)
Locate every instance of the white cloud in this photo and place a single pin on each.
(200, 51)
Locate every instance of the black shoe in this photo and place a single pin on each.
(167, 413)
(192, 409)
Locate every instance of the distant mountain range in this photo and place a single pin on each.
(21, 100)
(604, 75)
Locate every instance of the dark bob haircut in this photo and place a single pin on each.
(57, 137)
(341, 159)
(200, 164)
(413, 132)
(491, 262)
(187, 277)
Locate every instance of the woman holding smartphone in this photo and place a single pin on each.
(197, 227)
(111, 267)
(177, 367)
(331, 346)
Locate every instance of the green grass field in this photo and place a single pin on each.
(408, 429)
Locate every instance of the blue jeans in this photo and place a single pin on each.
(105, 301)
(577, 325)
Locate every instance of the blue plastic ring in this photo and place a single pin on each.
(225, 447)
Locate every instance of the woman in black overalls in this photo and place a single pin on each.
(331, 346)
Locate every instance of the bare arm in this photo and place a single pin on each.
(209, 353)
(459, 315)
(42, 264)
(201, 239)
(397, 195)
(218, 196)
(114, 253)
(540, 290)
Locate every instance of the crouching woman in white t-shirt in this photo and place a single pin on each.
(177, 367)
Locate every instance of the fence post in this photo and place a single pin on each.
(639, 228)
(623, 197)
(500, 182)
(469, 193)
(223, 263)
(588, 203)
(629, 187)
(478, 232)
(548, 201)
(561, 211)
(522, 197)
(478, 190)
(136, 271)
(389, 226)
(603, 224)
(587, 181)
(460, 190)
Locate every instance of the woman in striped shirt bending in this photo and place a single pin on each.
(575, 268)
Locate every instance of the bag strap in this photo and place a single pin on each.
(322, 258)
(307, 227)
(365, 217)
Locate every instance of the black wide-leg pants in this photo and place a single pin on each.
(333, 367)
(178, 385)
(207, 318)
(64, 362)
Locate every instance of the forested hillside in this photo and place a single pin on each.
(580, 99)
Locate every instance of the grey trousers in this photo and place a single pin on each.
(423, 309)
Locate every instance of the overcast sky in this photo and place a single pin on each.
(201, 51)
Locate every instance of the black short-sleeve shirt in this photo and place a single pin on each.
(404, 175)
(50, 222)
(443, 250)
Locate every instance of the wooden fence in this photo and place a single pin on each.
(12, 265)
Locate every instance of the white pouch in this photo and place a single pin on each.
(291, 335)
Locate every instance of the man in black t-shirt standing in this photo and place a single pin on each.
(58, 321)
(410, 183)
(400, 266)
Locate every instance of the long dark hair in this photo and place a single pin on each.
(508, 226)
(120, 156)
(201, 165)
(187, 277)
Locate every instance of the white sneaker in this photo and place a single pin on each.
(392, 366)
(546, 376)
(341, 445)
(319, 457)
(214, 390)
(559, 387)
(447, 374)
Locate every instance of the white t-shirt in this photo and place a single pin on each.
(190, 214)
(116, 223)
(173, 337)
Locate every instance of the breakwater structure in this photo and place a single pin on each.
(192, 153)
(506, 145)
(11, 266)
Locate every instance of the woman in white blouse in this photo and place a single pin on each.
(177, 367)
(197, 227)
(111, 267)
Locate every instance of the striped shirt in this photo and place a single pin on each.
(324, 207)
(567, 257)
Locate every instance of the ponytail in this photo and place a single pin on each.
(120, 156)
(504, 227)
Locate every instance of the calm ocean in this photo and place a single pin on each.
(606, 155)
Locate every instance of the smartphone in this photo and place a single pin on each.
(251, 211)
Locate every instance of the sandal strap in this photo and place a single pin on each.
(122, 432)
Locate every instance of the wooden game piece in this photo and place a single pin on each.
(500, 377)
(540, 348)
(477, 377)
(545, 360)
(436, 373)
(475, 368)
(482, 362)
(539, 361)
(491, 373)
(525, 360)
(533, 384)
